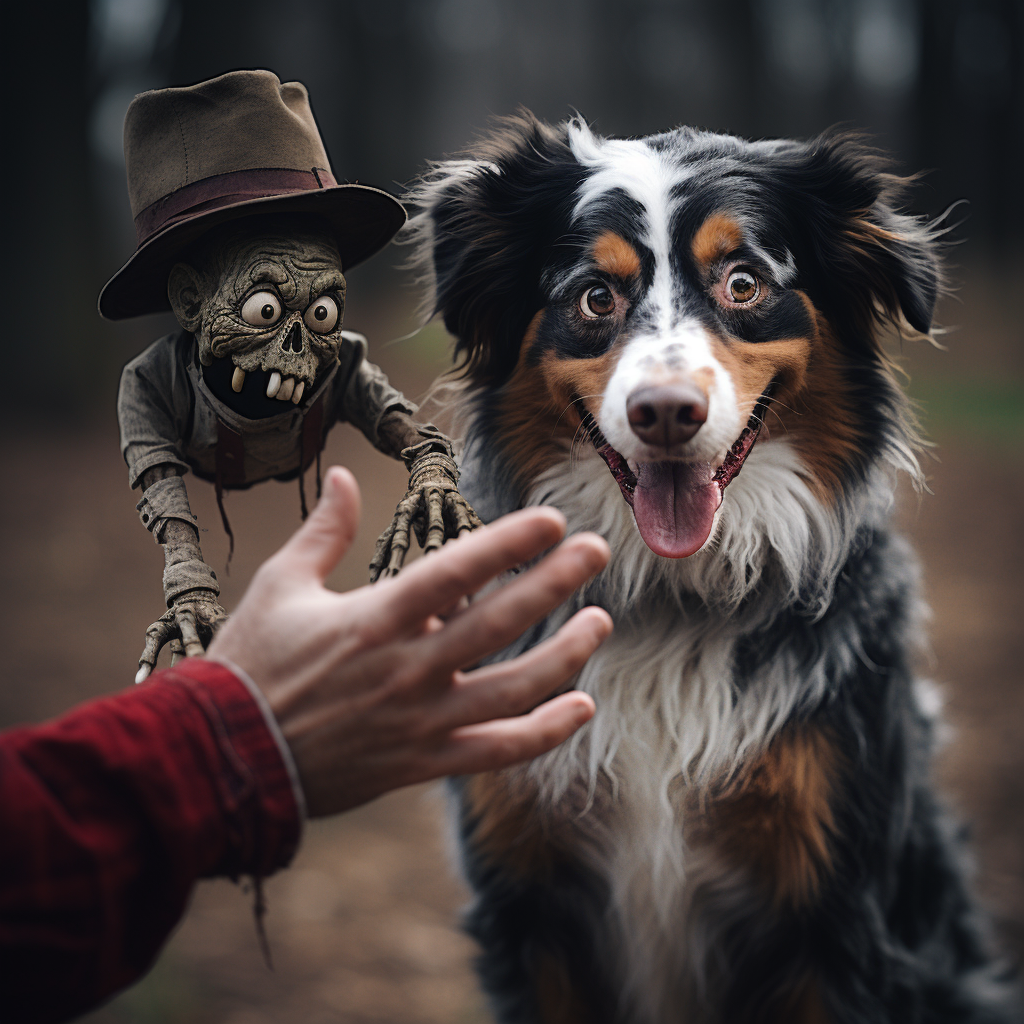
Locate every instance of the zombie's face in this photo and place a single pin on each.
(268, 302)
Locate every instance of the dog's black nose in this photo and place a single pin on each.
(667, 415)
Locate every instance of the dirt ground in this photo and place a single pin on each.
(364, 926)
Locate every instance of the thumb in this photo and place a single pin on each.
(322, 540)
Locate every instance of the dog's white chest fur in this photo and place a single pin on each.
(660, 718)
(671, 714)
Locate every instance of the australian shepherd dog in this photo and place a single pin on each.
(678, 342)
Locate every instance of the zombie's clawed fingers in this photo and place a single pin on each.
(460, 515)
(156, 636)
(433, 497)
(400, 536)
(186, 629)
(381, 552)
(189, 634)
(436, 511)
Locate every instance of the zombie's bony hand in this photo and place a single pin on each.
(432, 507)
(193, 615)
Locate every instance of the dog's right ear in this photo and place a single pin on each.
(486, 226)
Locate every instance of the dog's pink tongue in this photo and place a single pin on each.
(675, 504)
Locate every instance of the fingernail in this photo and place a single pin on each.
(585, 710)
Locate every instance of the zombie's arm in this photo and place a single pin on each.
(432, 506)
(190, 585)
(153, 406)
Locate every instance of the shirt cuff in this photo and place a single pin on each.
(263, 808)
(275, 731)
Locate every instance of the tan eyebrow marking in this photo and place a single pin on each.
(614, 255)
(718, 235)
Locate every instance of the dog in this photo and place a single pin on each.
(678, 341)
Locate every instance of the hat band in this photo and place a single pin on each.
(226, 190)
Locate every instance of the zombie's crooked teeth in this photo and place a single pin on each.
(299, 388)
(237, 379)
(286, 389)
(273, 385)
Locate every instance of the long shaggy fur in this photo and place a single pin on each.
(745, 831)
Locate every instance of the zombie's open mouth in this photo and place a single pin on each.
(286, 389)
(674, 503)
(256, 394)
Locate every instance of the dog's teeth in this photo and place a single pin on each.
(287, 388)
(274, 384)
(237, 379)
(205, 358)
(299, 388)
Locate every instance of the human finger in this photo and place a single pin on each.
(497, 744)
(512, 687)
(495, 621)
(464, 565)
(319, 544)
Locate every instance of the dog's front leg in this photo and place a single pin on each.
(537, 909)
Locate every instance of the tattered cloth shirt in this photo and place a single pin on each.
(169, 416)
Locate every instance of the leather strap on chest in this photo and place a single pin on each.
(311, 445)
(230, 472)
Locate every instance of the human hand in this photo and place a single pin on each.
(370, 687)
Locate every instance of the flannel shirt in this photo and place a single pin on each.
(111, 813)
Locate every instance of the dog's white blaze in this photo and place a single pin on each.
(674, 355)
(647, 176)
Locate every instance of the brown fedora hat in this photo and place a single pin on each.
(238, 145)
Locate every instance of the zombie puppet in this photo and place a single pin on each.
(244, 233)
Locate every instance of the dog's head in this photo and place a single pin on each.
(693, 293)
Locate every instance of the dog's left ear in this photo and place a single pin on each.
(866, 259)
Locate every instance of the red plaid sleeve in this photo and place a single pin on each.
(109, 815)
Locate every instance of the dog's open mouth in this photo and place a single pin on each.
(674, 503)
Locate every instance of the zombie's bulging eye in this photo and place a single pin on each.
(321, 316)
(261, 309)
(742, 287)
(597, 301)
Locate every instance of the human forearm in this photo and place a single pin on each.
(111, 813)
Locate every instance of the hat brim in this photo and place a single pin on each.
(362, 219)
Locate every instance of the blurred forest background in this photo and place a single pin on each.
(364, 927)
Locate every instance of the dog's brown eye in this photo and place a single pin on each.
(597, 301)
(742, 287)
